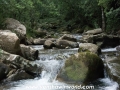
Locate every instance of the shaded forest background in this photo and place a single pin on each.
(56, 15)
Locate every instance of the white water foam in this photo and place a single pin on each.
(109, 50)
(77, 36)
(109, 85)
(47, 80)
(37, 47)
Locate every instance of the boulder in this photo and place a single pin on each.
(39, 41)
(9, 42)
(29, 52)
(113, 67)
(68, 37)
(82, 67)
(83, 47)
(16, 27)
(19, 75)
(93, 32)
(49, 44)
(62, 44)
(18, 62)
(102, 40)
(3, 71)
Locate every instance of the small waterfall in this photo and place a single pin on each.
(52, 61)
(108, 83)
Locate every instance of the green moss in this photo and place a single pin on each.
(76, 72)
(83, 67)
(30, 33)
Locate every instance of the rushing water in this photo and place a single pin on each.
(52, 61)
(109, 50)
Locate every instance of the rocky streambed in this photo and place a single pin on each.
(52, 61)
(58, 63)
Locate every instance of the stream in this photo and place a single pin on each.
(52, 61)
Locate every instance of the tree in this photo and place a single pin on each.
(111, 9)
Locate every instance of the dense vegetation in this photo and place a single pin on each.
(72, 14)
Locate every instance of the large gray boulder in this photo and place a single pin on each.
(83, 47)
(16, 27)
(18, 62)
(83, 67)
(9, 42)
(29, 52)
(62, 44)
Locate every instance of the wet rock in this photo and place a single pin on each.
(102, 40)
(29, 52)
(39, 41)
(3, 71)
(9, 42)
(83, 47)
(113, 67)
(18, 62)
(16, 27)
(68, 37)
(93, 32)
(19, 75)
(49, 44)
(83, 67)
(62, 44)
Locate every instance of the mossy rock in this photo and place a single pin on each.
(82, 67)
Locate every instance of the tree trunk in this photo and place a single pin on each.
(103, 19)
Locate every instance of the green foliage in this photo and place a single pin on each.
(112, 12)
(113, 20)
(82, 14)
